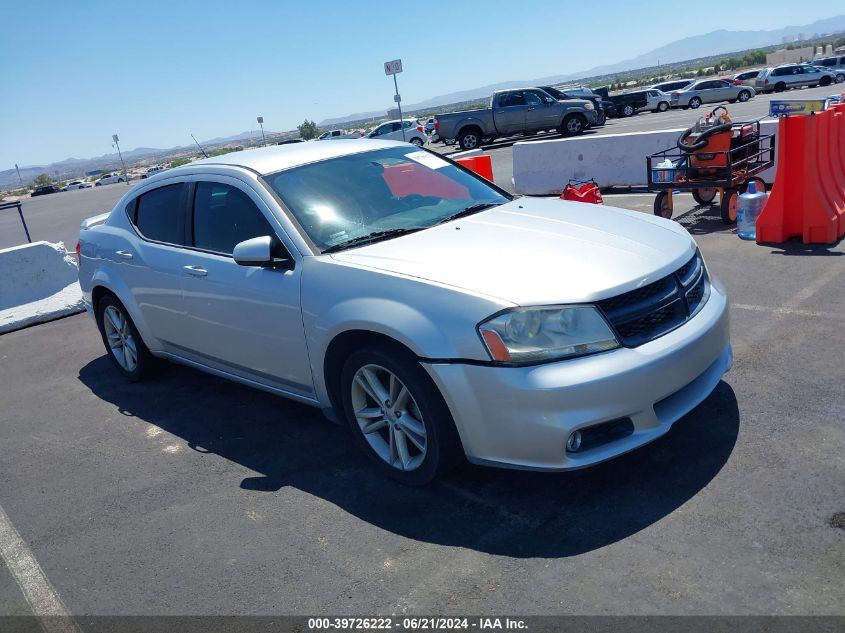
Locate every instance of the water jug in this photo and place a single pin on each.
(751, 204)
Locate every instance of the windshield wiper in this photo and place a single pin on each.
(470, 210)
(375, 236)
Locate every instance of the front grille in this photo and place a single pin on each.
(643, 314)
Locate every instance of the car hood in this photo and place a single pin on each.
(536, 251)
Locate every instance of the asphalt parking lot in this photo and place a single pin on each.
(191, 495)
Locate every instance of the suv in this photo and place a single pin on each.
(44, 190)
(669, 86)
(788, 76)
(836, 65)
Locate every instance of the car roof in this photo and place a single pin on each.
(267, 160)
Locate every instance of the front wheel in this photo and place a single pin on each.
(573, 125)
(397, 415)
(663, 205)
(824, 81)
(743, 96)
(695, 103)
(662, 106)
(840, 77)
(729, 206)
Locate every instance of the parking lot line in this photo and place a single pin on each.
(46, 604)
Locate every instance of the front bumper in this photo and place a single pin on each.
(521, 417)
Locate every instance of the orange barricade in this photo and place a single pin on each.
(481, 165)
(837, 138)
(799, 204)
(828, 174)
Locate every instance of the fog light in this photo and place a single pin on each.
(573, 443)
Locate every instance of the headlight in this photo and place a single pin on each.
(533, 335)
(589, 106)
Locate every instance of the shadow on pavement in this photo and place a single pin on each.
(504, 512)
(703, 219)
(796, 247)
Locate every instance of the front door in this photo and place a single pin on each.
(243, 319)
(541, 114)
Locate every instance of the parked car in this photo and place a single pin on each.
(514, 112)
(44, 190)
(835, 65)
(429, 126)
(788, 76)
(598, 102)
(629, 103)
(748, 78)
(152, 171)
(334, 135)
(109, 179)
(77, 184)
(675, 84)
(710, 91)
(335, 274)
(656, 100)
(288, 141)
(392, 131)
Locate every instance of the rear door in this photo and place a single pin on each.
(242, 319)
(509, 113)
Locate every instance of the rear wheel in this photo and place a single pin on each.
(729, 206)
(397, 415)
(417, 141)
(663, 205)
(780, 86)
(628, 110)
(695, 103)
(469, 138)
(123, 343)
(573, 125)
(704, 195)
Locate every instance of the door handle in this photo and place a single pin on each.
(196, 271)
(123, 254)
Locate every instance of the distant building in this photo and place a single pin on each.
(393, 113)
(788, 56)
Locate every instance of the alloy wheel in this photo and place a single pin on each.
(120, 339)
(389, 418)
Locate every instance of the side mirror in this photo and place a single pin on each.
(258, 251)
(549, 100)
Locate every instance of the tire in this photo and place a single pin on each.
(662, 106)
(695, 103)
(601, 119)
(743, 96)
(423, 426)
(780, 86)
(417, 141)
(840, 77)
(573, 125)
(120, 336)
(661, 206)
(824, 82)
(469, 138)
(628, 110)
(704, 195)
(729, 205)
(97, 184)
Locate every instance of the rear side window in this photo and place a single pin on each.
(224, 216)
(157, 214)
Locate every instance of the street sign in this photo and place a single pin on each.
(393, 67)
(397, 98)
(261, 119)
(114, 138)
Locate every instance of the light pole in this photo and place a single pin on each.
(261, 123)
(19, 174)
(117, 145)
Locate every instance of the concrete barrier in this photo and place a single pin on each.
(38, 282)
(613, 160)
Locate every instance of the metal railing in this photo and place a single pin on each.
(17, 205)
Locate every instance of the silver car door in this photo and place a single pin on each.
(541, 114)
(242, 319)
(151, 262)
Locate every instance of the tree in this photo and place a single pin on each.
(42, 180)
(308, 130)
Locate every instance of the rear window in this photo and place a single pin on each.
(157, 214)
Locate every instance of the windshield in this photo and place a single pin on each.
(343, 199)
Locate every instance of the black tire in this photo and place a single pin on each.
(695, 103)
(780, 86)
(146, 362)
(704, 195)
(825, 81)
(416, 141)
(661, 206)
(729, 205)
(743, 96)
(601, 119)
(840, 77)
(120, 180)
(469, 138)
(628, 110)
(662, 106)
(443, 448)
(97, 184)
(573, 125)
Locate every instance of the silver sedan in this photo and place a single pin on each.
(710, 91)
(418, 303)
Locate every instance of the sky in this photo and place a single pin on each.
(74, 73)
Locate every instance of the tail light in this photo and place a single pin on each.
(766, 82)
(78, 248)
(420, 128)
(436, 124)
